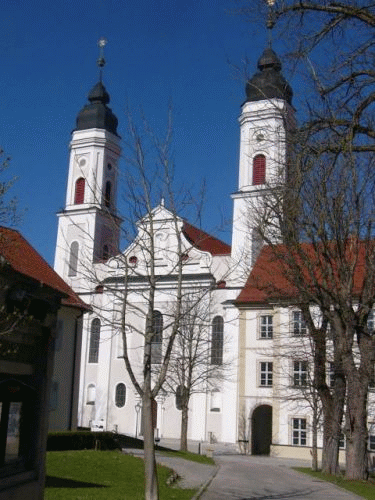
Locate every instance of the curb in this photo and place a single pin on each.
(205, 485)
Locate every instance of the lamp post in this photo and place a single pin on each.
(138, 407)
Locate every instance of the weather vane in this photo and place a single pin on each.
(270, 20)
(102, 42)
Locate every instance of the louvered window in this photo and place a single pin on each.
(259, 170)
(79, 195)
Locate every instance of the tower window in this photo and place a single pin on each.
(157, 339)
(73, 259)
(94, 341)
(259, 170)
(79, 195)
(107, 194)
(217, 341)
(105, 252)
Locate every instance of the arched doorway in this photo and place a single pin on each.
(261, 430)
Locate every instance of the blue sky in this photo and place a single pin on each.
(158, 52)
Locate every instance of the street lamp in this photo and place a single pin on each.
(138, 408)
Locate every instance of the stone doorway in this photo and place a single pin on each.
(261, 430)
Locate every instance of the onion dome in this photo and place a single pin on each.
(97, 114)
(268, 82)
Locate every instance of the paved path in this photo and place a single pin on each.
(264, 478)
(192, 474)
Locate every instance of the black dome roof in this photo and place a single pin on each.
(97, 114)
(268, 82)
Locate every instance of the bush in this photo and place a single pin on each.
(82, 440)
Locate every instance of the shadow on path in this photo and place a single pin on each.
(282, 496)
(61, 482)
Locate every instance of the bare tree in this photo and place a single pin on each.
(9, 210)
(197, 363)
(144, 288)
(328, 203)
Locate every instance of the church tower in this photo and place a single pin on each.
(267, 116)
(88, 227)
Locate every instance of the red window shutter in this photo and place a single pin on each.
(79, 194)
(259, 170)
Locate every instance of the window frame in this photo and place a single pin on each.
(120, 404)
(265, 374)
(259, 169)
(94, 341)
(79, 191)
(217, 340)
(157, 339)
(299, 432)
(299, 377)
(298, 325)
(267, 328)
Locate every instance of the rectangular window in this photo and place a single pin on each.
(299, 432)
(371, 442)
(266, 327)
(299, 373)
(298, 324)
(266, 368)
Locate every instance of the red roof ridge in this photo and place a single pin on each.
(204, 241)
(268, 280)
(23, 258)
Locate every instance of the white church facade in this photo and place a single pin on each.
(245, 407)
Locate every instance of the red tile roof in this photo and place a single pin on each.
(268, 280)
(204, 241)
(23, 258)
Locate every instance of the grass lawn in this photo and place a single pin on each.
(96, 475)
(187, 455)
(365, 489)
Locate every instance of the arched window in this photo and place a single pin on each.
(107, 194)
(79, 195)
(120, 395)
(157, 339)
(259, 170)
(217, 341)
(73, 259)
(94, 341)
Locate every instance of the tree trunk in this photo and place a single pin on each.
(330, 462)
(151, 480)
(314, 464)
(356, 433)
(332, 421)
(184, 427)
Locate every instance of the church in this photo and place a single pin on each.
(244, 408)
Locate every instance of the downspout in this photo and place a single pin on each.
(72, 389)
